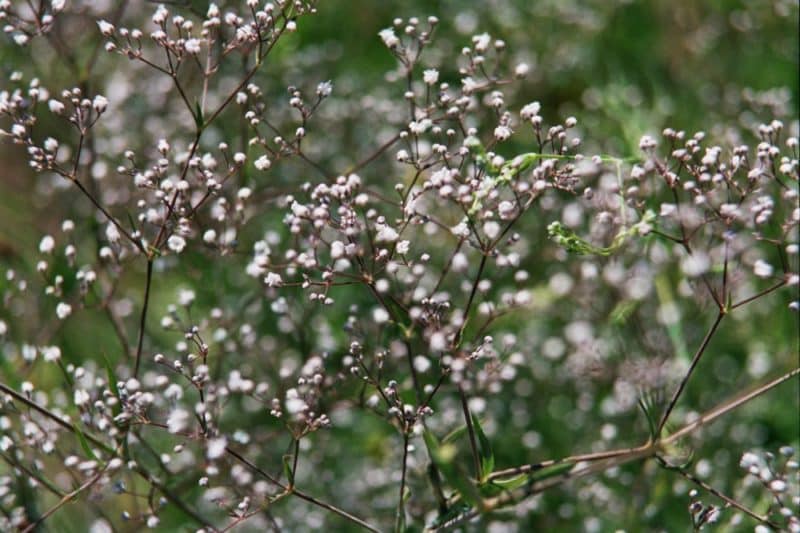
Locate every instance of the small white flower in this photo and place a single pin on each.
(491, 229)
(420, 127)
(530, 110)
(380, 315)
(389, 38)
(501, 133)
(177, 420)
(263, 163)
(106, 28)
(186, 297)
(460, 230)
(521, 70)
(762, 269)
(437, 342)
(51, 353)
(430, 76)
(778, 485)
(210, 236)
(176, 243)
(273, 280)
(469, 85)
(324, 89)
(403, 247)
(50, 144)
(337, 249)
(216, 447)
(505, 209)
(481, 42)
(422, 364)
(112, 233)
(294, 403)
(63, 310)
(386, 234)
(299, 210)
(667, 209)
(239, 158)
(192, 46)
(647, 143)
(81, 397)
(100, 103)
(55, 106)
(748, 459)
(47, 244)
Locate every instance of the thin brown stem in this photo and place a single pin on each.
(473, 444)
(727, 499)
(759, 294)
(401, 507)
(698, 354)
(143, 316)
(472, 293)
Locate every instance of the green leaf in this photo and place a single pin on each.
(288, 460)
(569, 240)
(622, 311)
(551, 471)
(484, 450)
(84, 443)
(456, 434)
(453, 513)
(400, 521)
(198, 116)
(511, 483)
(112, 383)
(651, 404)
(443, 456)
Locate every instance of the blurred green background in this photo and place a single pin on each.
(624, 68)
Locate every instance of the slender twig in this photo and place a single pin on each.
(727, 499)
(698, 354)
(728, 406)
(65, 499)
(335, 510)
(473, 444)
(361, 164)
(108, 215)
(52, 416)
(401, 507)
(472, 293)
(12, 461)
(588, 457)
(292, 490)
(594, 463)
(759, 294)
(143, 316)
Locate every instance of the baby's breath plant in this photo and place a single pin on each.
(250, 289)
